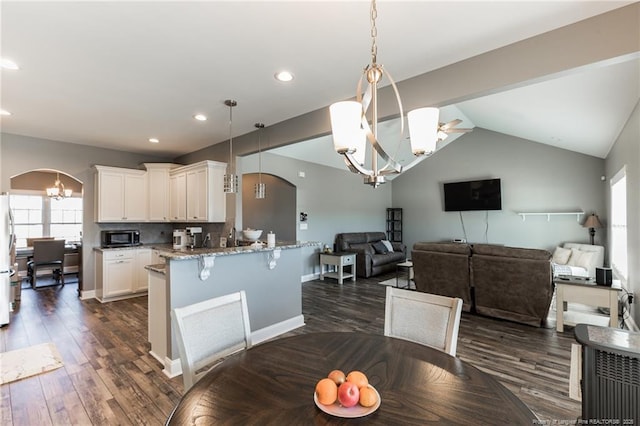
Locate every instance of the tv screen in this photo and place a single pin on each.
(472, 195)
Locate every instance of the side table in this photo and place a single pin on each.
(582, 290)
(339, 260)
(404, 268)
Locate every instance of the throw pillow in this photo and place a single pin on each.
(380, 248)
(561, 255)
(388, 245)
(581, 258)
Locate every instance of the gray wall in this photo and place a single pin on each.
(335, 200)
(626, 151)
(534, 177)
(275, 213)
(21, 154)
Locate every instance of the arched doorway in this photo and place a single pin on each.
(276, 212)
(37, 215)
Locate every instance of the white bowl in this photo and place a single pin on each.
(252, 234)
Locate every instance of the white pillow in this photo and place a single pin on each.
(388, 245)
(561, 255)
(584, 259)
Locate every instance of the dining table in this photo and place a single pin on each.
(274, 383)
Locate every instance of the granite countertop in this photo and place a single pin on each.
(167, 251)
(160, 268)
(219, 251)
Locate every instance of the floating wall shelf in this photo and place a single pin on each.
(549, 214)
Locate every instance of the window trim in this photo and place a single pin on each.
(616, 178)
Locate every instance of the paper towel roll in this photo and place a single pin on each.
(271, 239)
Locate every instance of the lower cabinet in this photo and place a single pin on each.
(120, 273)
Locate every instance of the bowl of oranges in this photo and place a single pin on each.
(346, 395)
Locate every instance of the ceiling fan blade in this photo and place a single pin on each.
(458, 130)
(452, 123)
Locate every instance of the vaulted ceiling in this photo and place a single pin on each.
(114, 74)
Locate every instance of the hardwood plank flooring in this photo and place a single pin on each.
(109, 378)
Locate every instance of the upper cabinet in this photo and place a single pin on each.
(121, 195)
(197, 193)
(164, 192)
(158, 188)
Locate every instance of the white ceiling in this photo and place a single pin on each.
(113, 74)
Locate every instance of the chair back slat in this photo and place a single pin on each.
(208, 331)
(424, 318)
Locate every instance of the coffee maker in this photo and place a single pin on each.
(194, 236)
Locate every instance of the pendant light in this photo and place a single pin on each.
(57, 191)
(230, 179)
(260, 188)
(351, 129)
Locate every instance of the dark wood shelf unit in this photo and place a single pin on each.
(394, 224)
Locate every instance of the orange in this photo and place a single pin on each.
(359, 378)
(337, 376)
(326, 391)
(368, 397)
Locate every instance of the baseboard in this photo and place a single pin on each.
(88, 294)
(277, 329)
(173, 368)
(310, 277)
(157, 357)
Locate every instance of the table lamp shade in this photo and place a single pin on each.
(592, 222)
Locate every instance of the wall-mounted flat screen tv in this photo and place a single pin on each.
(472, 195)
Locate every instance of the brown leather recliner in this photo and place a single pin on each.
(443, 269)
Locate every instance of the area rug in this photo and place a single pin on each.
(401, 282)
(27, 362)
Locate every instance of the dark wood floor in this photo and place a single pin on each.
(109, 378)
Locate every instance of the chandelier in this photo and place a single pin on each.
(230, 179)
(260, 188)
(57, 191)
(351, 129)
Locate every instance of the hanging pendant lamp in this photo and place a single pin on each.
(230, 179)
(260, 188)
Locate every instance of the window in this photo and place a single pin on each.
(38, 216)
(619, 225)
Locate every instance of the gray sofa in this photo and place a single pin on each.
(369, 261)
(502, 282)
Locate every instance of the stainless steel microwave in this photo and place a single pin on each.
(120, 238)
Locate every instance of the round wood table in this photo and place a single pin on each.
(274, 383)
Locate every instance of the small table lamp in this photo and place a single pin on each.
(592, 223)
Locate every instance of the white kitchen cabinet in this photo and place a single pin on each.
(120, 273)
(204, 197)
(178, 197)
(156, 258)
(158, 190)
(143, 257)
(120, 195)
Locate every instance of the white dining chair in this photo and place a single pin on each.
(208, 331)
(424, 318)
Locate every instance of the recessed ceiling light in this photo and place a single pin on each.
(8, 64)
(154, 140)
(200, 117)
(283, 76)
(4, 112)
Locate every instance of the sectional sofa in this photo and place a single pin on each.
(502, 282)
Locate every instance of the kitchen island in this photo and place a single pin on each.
(271, 278)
